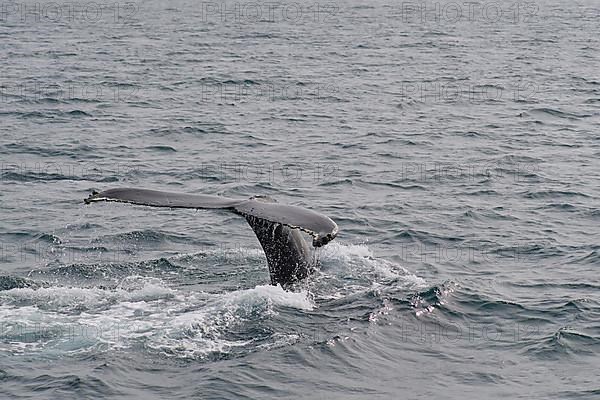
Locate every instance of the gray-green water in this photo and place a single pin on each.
(456, 146)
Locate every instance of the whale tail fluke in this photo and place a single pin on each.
(156, 198)
(277, 226)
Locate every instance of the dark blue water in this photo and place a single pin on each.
(455, 145)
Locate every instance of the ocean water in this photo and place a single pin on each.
(455, 144)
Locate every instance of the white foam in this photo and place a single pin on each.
(359, 259)
(61, 297)
(336, 250)
(139, 310)
(273, 295)
(56, 296)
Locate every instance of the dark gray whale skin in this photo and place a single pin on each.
(276, 226)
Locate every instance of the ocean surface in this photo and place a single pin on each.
(455, 144)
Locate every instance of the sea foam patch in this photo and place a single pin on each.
(358, 261)
(140, 311)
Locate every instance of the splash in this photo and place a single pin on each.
(358, 260)
(141, 311)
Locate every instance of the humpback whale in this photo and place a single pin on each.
(277, 226)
